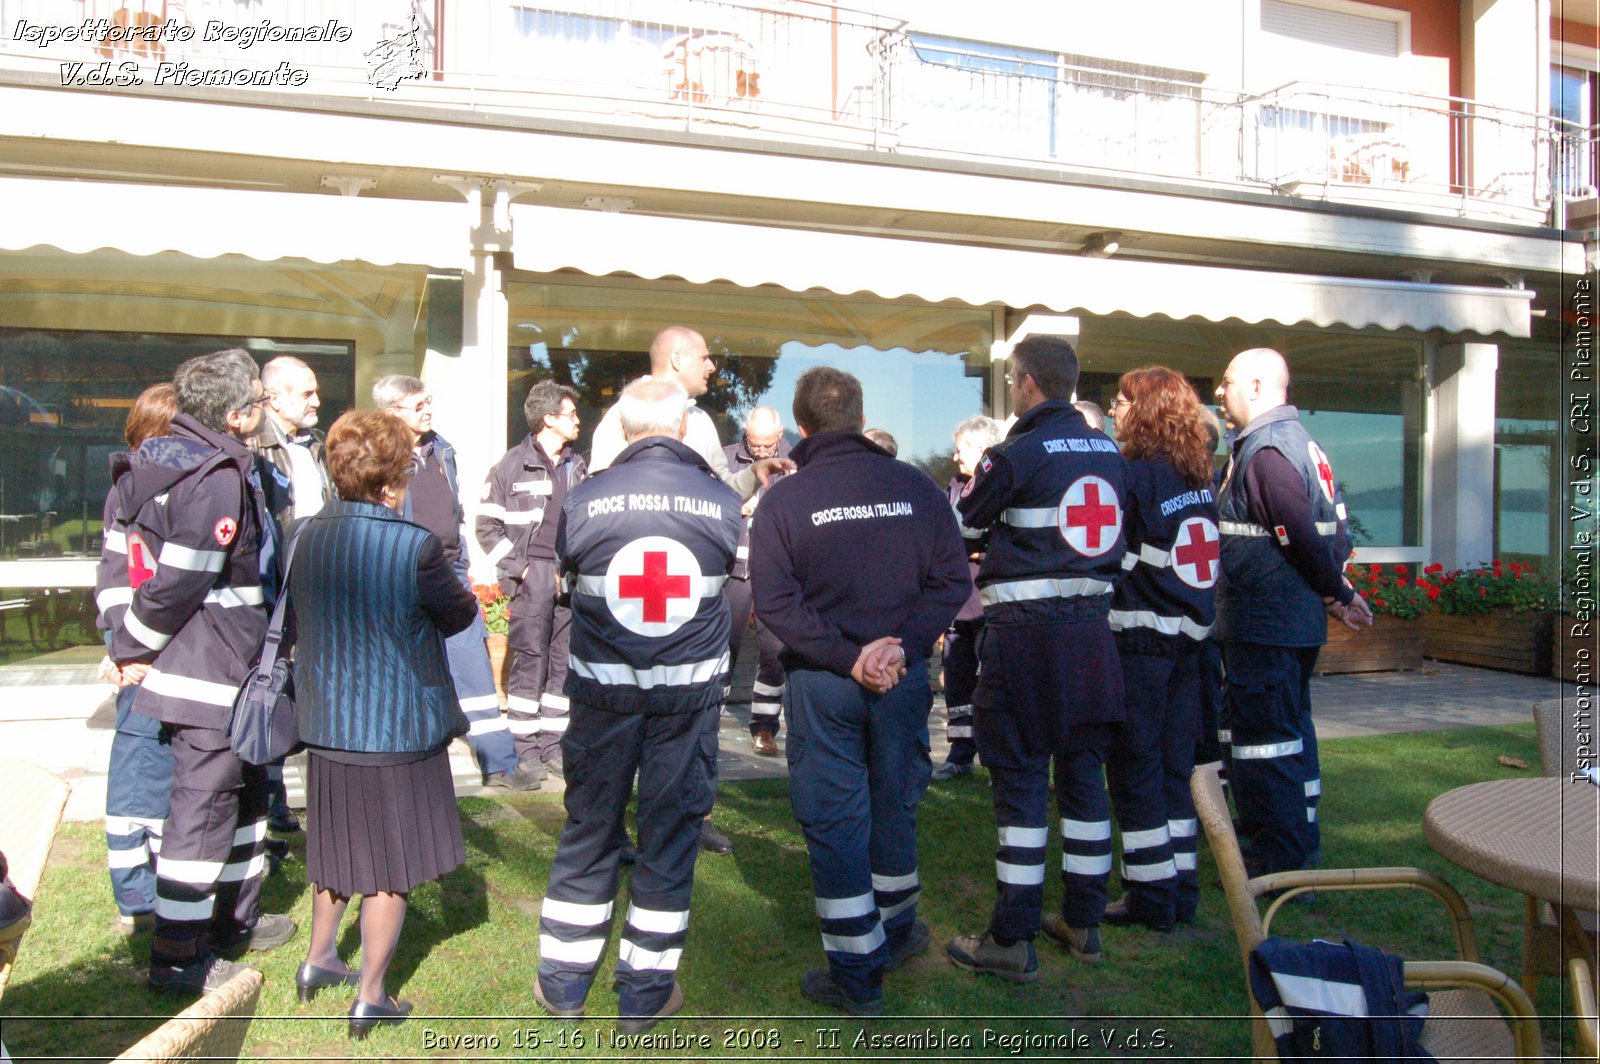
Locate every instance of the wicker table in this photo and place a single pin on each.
(1536, 836)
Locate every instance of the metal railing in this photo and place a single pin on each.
(806, 71)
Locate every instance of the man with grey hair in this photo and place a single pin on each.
(644, 549)
(433, 501)
(196, 524)
(973, 436)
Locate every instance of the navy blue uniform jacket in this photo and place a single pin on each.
(853, 547)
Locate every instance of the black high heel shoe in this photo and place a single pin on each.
(309, 979)
(364, 1017)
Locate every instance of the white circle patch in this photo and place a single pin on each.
(1090, 517)
(1195, 553)
(653, 586)
(1322, 467)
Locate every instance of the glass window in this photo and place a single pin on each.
(922, 368)
(1359, 396)
(1527, 467)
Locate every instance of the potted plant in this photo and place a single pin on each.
(1496, 616)
(496, 608)
(1395, 639)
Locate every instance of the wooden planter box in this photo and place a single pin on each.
(1513, 642)
(1390, 644)
(1574, 655)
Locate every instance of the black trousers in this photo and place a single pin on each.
(766, 700)
(536, 710)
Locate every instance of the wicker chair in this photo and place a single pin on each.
(33, 799)
(1583, 1011)
(213, 1028)
(1462, 1023)
(1541, 935)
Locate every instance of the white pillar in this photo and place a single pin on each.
(1463, 453)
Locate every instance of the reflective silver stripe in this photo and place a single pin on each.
(116, 542)
(621, 675)
(958, 731)
(230, 597)
(194, 873)
(1241, 528)
(1153, 556)
(491, 509)
(1149, 873)
(1224, 735)
(145, 634)
(765, 709)
(741, 552)
(1279, 1022)
(845, 908)
(657, 921)
(970, 533)
(759, 688)
(134, 857)
(1324, 995)
(479, 703)
(189, 688)
(113, 596)
(524, 517)
(1085, 830)
(583, 951)
(1019, 875)
(195, 561)
(1129, 560)
(1266, 751)
(854, 943)
(1328, 528)
(555, 725)
(558, 703)
(1186, 862)
(1122, 620)
(577, 913)
(1313, 788)
(899, 907)
(524, 726)
(1183, 829)
(519, 704)
(1030, 590)
(1338, 508)
(486, 725)
(239, 871)
(642, 960)
(889, 883)
(1027, 838)
(1032, 517)
(1143, 840)
(1311, 814)
(249, 833)
(1080, 865)
(124, 825)
(703, 587)
(499, 551)
(185, 911)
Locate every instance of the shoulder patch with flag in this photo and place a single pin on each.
(1282, 534)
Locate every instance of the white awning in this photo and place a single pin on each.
(548, 239)
(80, 216)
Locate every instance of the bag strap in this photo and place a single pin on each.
(271, 648)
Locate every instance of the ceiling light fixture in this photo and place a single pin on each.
(1101, 245)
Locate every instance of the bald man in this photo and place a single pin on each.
(1284, 545)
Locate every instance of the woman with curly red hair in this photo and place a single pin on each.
(1161, 612)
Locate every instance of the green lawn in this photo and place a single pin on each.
(471, 943)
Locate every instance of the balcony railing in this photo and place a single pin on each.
(805, 71)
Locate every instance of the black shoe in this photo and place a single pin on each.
(915, 942)
(309, 979)
(950, 770)
(202, 977)
(1118, 914)
(284, 821)
(818, 985)
(573, 1012)
(1016, 963)
(364, 1017)
(525, 777)
(714, 841)
(1080, 942)
(555, 767)
(642, 1024)
(271, 931)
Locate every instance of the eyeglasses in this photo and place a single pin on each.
(565, 415)
(259, 400)
(417, 407)
(1013, 378)
(1119, 402)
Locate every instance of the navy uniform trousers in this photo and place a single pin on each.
(473, 677)
(960, 680)
(208, 879)
(536, 709)
(1274, 770)
(858, 766)
(1037, 682)
(1147, 773)
(766, 699)
(138, 784)
(675, 756)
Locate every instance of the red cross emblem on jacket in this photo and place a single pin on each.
(653, 586)
(1090, 518)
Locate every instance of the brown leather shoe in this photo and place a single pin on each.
(764, 744)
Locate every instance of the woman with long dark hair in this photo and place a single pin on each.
(1161, 612)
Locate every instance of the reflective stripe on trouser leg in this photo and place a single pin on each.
(601, 754)
(1310, 763)
(858, 764)
(553, 705)
(473, 676)
(1184, 697)
(1022, 814)
(960, 662)
(767, 696)
(534, 650)
(138, 784)
(1085, 835)
(1135, 777)
(677, 785)
(1269, 775)
(210, 868)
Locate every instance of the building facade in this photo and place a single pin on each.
(1398, 194)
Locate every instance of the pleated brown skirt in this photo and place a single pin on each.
(373, 828)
